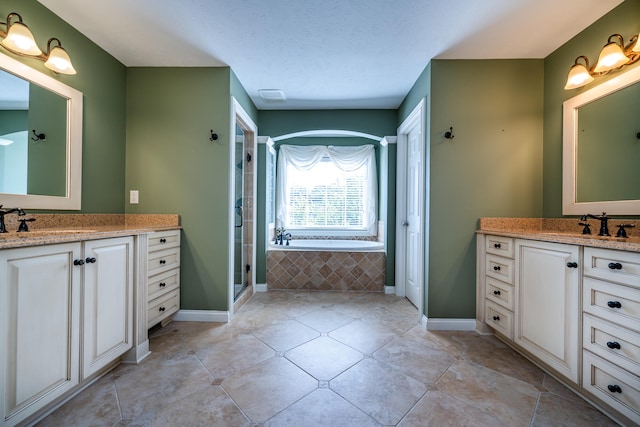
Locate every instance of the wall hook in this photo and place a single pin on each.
(638, 135)
(449, 134)
(38, 136)
(214, 136)
(248, 157)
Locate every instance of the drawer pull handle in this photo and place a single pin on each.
(163, 261)
(496, 292)
(497, 245)
(163, 240)
(614, 388)
(161, 309)
(496, 318)
(78, 262)
(613, 345)
(572, 264)
(615, 266)
(614, 304)
(162, 284)
(90, 260)
(496, 268)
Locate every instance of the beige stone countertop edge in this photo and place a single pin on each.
(51, 236)
(631, 244)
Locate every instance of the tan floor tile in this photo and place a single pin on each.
(439, 409)
(379, 390)
(268, 388)
(286, 335)
(97, 405)
(398, 322)
(364, 337)
(441, 340)
(554, 411)
(228, 357)
(323, 407)
(324, 320)
(324, 357)
(510, 400)
(416, 359)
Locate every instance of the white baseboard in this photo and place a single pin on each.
(202, 316)
(390, 290)
(449, 324)
(260, 287)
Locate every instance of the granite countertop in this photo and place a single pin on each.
(563, 230)
(62, 228)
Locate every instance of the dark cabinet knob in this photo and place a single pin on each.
(496, 268)
(90, 260)
(162, 284)
(496, 318)
(497, 245)
(496, 292)
(78, 262)
(572, 264)
(613, 345)
(614, 304)
(163, 240)
(161, 309)
(614, 388)
(162, 261)
(615, 266)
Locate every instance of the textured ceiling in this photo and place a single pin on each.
(327, 53)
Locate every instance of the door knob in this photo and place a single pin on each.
(405, 224)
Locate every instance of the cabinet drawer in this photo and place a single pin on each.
(615, 386)
(500, 293)
(499, 245)
(615, 303)
(163, 240)
(499, 319)
(500, 268)
(164, 260)
(617, 266)
(162, 283)
(163, 307)
(611, 342)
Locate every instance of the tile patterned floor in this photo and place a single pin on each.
(297, 358)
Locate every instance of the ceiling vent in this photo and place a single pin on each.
(272, 95)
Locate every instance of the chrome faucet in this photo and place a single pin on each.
(3, 212)
(604, 222)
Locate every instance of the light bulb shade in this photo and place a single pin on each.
(20, 40)
(578, 77)
(636, 48)
(611, 56)
(59, 61)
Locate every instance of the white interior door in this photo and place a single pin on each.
(410, 233)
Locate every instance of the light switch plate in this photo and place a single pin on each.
(133, 197)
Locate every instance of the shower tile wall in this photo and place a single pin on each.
(326, 271)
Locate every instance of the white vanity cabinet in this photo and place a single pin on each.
(499, 292)
(40, 327)
(163, 276)
(66, 314)
(547, 308)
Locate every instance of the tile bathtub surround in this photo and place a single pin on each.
(326, 271)
(298, 358)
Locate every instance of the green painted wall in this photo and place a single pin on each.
(101, 78)
(381, 123)
(493, 167)
(171, 161)
(623, 20)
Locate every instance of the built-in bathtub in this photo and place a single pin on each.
(338, 265)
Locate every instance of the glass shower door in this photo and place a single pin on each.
(239, 272)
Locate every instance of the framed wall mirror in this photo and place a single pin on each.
(601, 148)
(40, 139)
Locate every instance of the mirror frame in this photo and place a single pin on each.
(72, 200)
(570, 206)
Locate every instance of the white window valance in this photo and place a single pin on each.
(347, 159)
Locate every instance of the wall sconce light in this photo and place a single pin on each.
(613, 55)
(18, 39)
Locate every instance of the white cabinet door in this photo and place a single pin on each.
(107, 302)
(547, 304)
(39, 326)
